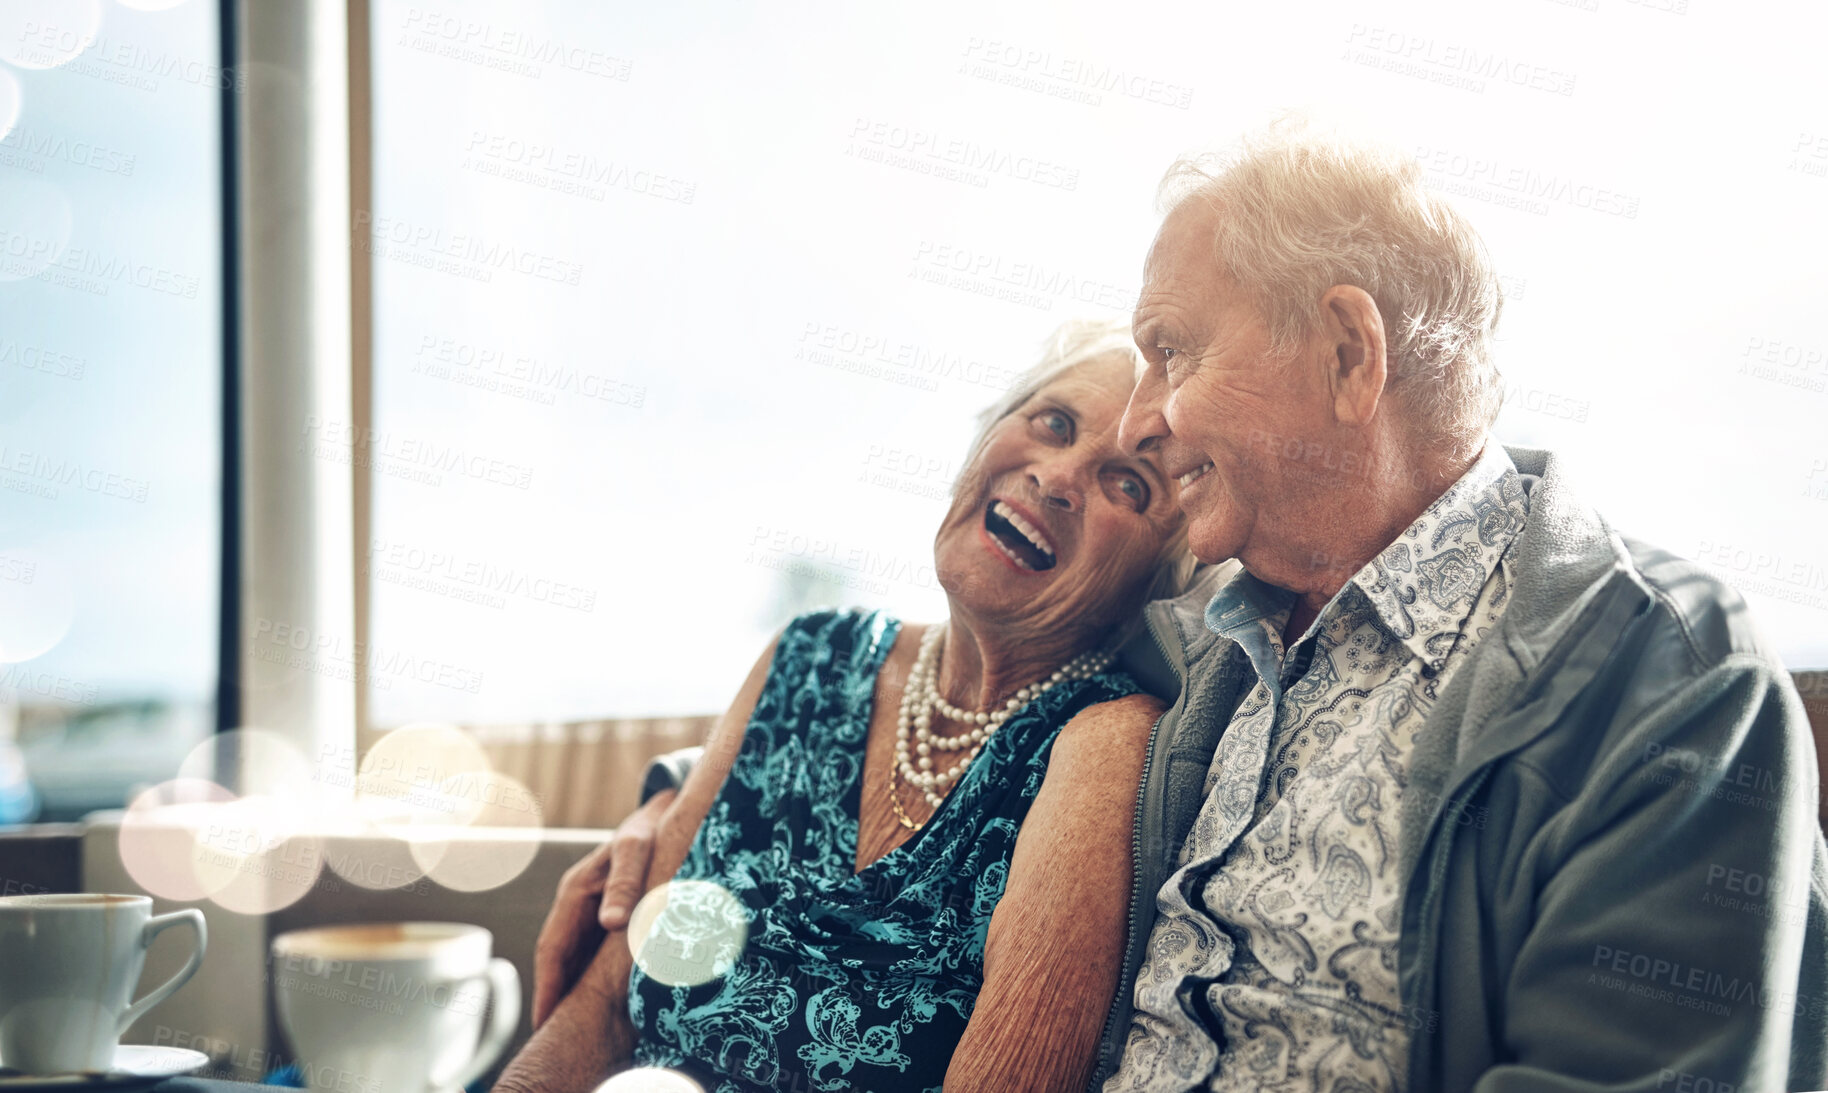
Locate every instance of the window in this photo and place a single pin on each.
(682, 311)
(110, 393)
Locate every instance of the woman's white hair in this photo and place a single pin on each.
(1075, 343)
(1304, 211)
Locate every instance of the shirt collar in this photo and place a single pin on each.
(1422, 585)
(1252, 612)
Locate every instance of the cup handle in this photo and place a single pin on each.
(504, 1015)
(153, 928)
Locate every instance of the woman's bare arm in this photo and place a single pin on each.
(589, 1033)
(1055, 946)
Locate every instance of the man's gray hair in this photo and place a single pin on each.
(1303, 211)
(1075, 343)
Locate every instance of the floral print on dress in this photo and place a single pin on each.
(848, 981)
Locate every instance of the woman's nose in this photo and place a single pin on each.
(1059, 486)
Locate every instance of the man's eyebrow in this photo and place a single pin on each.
(1148, 334)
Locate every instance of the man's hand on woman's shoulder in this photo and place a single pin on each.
(595, 896)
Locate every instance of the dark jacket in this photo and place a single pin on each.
(1615, 876)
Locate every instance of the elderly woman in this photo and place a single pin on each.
(926, 828)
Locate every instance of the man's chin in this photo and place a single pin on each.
(1212, 545)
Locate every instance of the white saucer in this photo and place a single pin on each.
(135, 1065)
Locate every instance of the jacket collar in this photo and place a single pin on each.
(1422, 585)
(1564, 552)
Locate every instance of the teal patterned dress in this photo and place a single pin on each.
(848, 981)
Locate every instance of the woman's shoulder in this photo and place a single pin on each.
(824, 618)
(1120, 708)
(1115, 725)
(854, 637)
(1087, 696)
(840, 623)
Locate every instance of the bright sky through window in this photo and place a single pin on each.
(683, 310)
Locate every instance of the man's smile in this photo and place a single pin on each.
(1193, 475)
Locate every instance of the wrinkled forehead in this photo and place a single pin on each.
(1097, 387)
(1185, 241)
(1183, 279)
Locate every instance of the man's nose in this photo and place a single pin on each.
(1143, 426)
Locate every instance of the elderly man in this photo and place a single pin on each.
(1449, 773)
(1462, 789)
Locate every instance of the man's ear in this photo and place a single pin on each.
(1353, 330)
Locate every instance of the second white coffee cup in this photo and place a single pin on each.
(397, 1006)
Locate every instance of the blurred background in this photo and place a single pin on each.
(525, 365)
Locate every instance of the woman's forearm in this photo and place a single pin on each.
(1054, 952)
(1037, 1026)
(589, 1035)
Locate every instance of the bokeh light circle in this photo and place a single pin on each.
(254, 761)
(401, 776)
(162, 833)
(255, 857)
(397, 793)
(40, 34)
(9, 103)
(37, 602)
(687, 932)
(482, 834)
(373, 856)
(649, 1079)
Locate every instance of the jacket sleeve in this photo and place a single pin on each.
(1678, 899)
(669, 771)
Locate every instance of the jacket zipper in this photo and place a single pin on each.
(1441, 837)
(1136, 820)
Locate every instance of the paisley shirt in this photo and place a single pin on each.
(1273, 960)
(846, 980)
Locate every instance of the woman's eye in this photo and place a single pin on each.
(1134, 489)
(1058, 424)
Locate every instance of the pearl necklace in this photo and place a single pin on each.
(915, 741)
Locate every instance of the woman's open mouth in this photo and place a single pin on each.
(1025, 545)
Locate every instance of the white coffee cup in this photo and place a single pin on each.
(394, 1006)
(68, 966)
